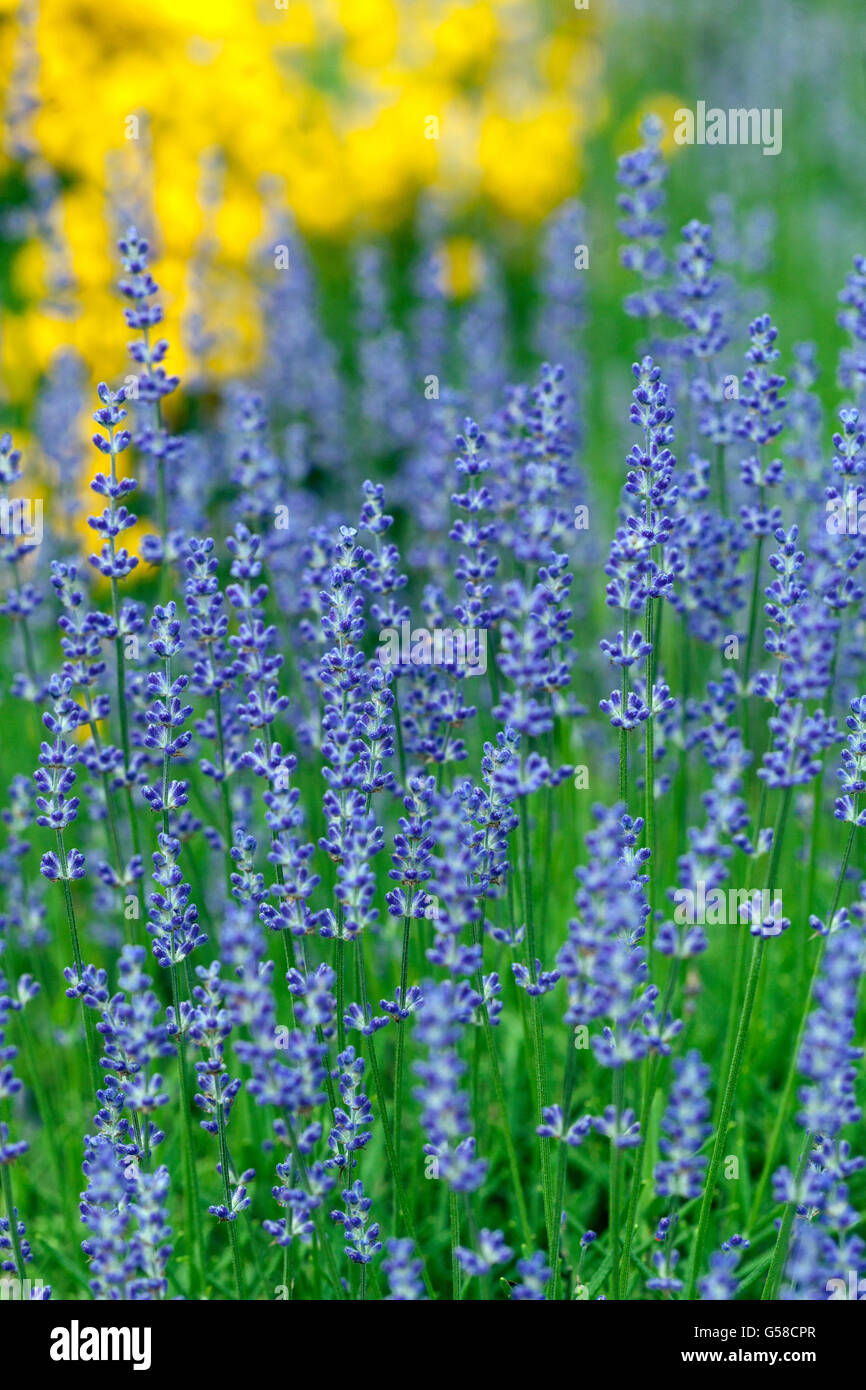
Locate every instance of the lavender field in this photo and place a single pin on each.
(432, 679)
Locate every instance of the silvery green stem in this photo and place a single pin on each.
(736, 1063)
(89, 1030)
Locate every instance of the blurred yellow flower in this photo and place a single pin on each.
(465, 40)
(371, 28)
(528, 162)
(463, 266)
(357, 105)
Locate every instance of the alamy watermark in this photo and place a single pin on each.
(846, 516)
(77, 1343)
(23, 1290)
(21, 516)
(719, 907)
(852, 1288)
(462, 647)
(736, 126)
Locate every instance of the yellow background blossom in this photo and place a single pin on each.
(356, 106)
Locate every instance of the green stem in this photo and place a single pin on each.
(507, 1134)
(649, 780)
(17, 1255)
(783, 1239)
(567, 1093)
(753, 624)
(455, 1241)
(817, 817)
(162, 499)
(646, 1110)
(165, 761)
(623, 735)
(341, 984)
(224, 787)
(227, 1193)
(738, 976)
(89, 1030)
(733, 1005)
(736, 1063)
(45, 1108)
(401, 1038)
(539, 1055)
(613, 1203)
(682, 773)
(120, 664)
(324, 1243)
(784, 1106)
(26, 637)
(649, 741)
(398, 725)
(106, 788)
(548, 846)
(187, 1147)
(393, 1159)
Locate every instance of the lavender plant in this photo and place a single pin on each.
(366, 753)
